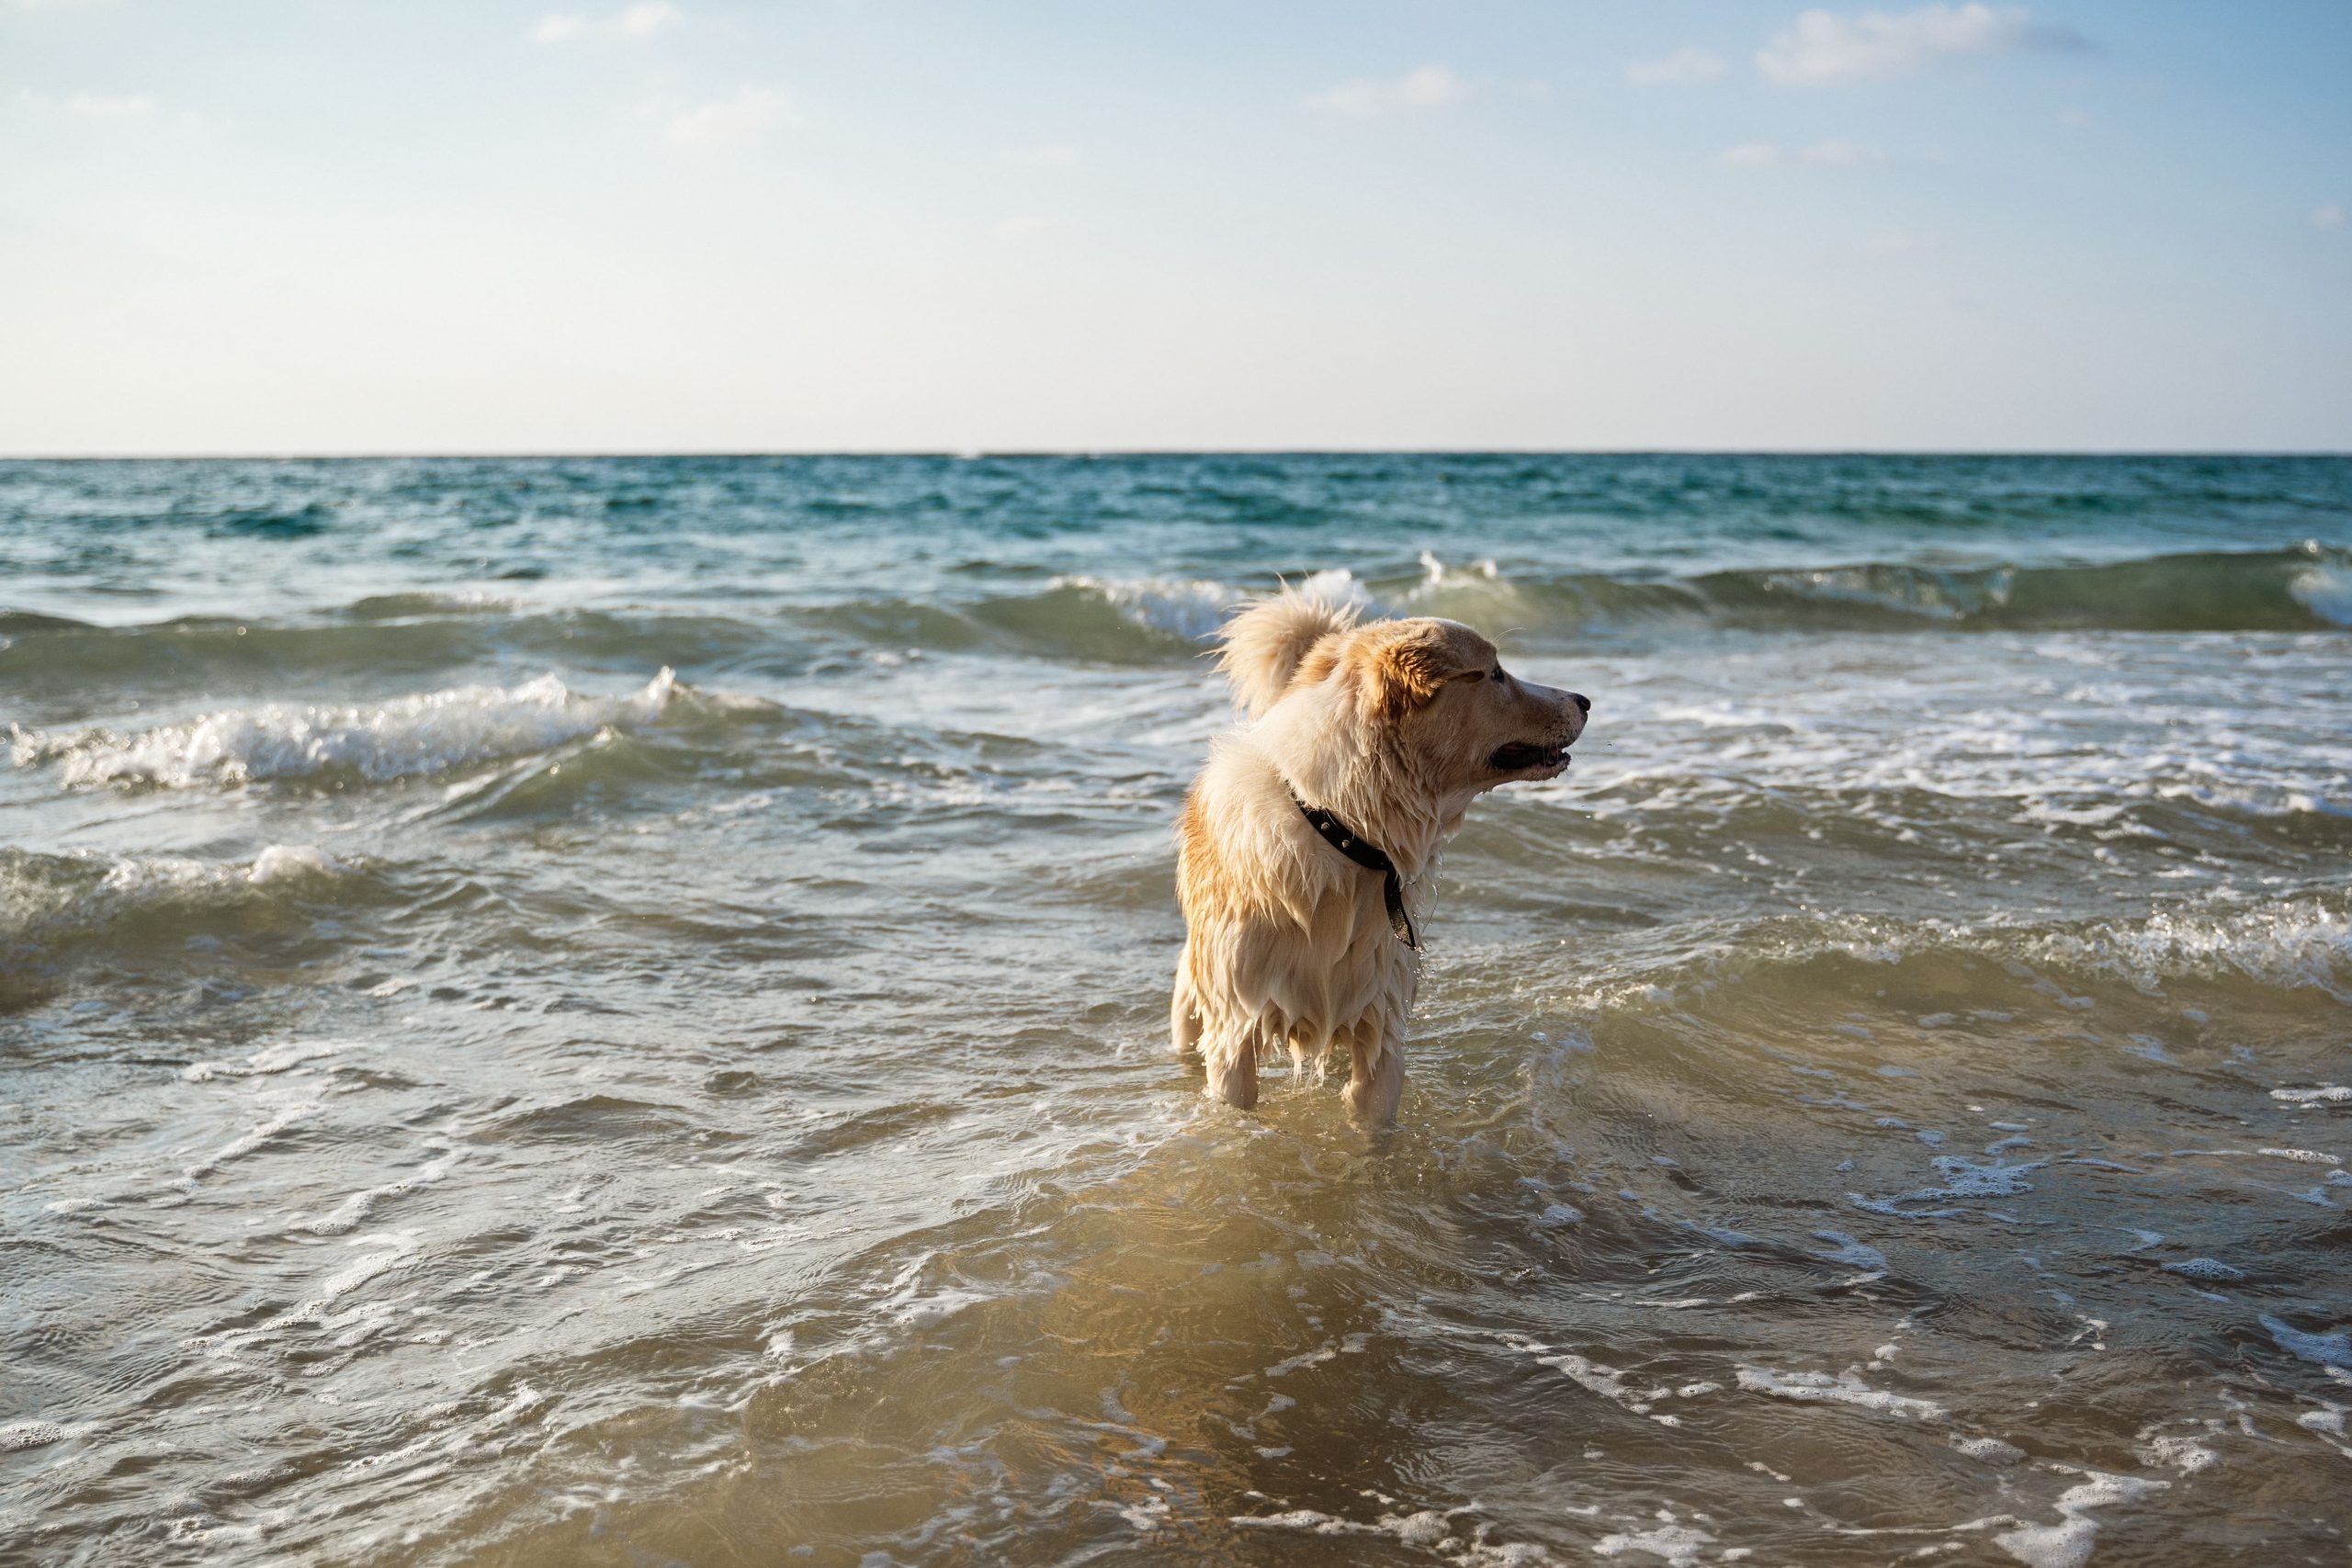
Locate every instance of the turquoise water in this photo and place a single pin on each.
(585, 1011)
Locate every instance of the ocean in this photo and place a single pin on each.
(613, 1012)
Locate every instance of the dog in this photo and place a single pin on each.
(1305, 844)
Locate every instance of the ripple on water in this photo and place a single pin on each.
(472, 1096)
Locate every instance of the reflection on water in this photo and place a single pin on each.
(473, 1097)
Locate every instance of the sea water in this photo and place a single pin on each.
(613, 1012)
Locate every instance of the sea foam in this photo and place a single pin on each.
(1846, 1388)
(44, 898)
(424, 734)
(1188, 607)
(2067, 1544)
(2327, 591)
(1196, 608)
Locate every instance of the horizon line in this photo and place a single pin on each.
(1114, 453)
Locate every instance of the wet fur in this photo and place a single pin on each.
(1389, 725)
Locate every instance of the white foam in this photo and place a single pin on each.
(1849, 1252)
(2325, 1094)
(280, 862)
(1675, 1544)
(1963, 1177)
(2067, 1544)
(2186, 1455)
(1196, 608)
(1593, 1376)
(1435, 573)
(924, 1311)
(1846, 1388)
(1426, 1530)
(407, 736)
(1336, 586)
(385, 1252)
(1477, 592)
(237, 1148)
(1191, 607)
(1992, 1450)
(2323, 1349)
(1307, 1519)
(1315, 1358)
(393, 1249)
(269, 1060)
(2326, 592)
(2204, 1269)
(347, 1215)
(44, 896)
(151, 877)
(2290, 943)
(1868, 739)
(30, 1435)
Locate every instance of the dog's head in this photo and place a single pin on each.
(1440, 692)
(1427, 693)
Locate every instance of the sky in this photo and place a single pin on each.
(359, 226)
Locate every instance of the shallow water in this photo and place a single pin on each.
(611, 1011)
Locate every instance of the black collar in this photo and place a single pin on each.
(1342, 838)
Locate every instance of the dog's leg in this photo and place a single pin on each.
(1376, 1082)
(1184, 1017)
(1233, 1070)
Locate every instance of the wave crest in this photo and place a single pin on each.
(424, 734)
(54, 908)
(2307, 588)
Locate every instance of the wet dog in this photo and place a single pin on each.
(1305, 843)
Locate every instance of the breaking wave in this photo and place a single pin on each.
(147, 909)
(422, 734)
(2305, 589)
(2299, 944)
(1117, 620)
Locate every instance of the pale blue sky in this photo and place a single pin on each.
(361, 225)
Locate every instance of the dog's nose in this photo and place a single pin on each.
(1583, 704)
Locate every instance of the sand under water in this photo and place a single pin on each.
(579, 1012)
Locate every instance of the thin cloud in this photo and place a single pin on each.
(2327, 215)
(1025, 228)
(642, 21)
(89, 106)
(725, 122)
(1053, 156)
(1823, 48)
(1832, 155)
(103, 105)
(1427, 87)
(1683, 68)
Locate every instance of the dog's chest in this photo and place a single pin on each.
(1352, 968)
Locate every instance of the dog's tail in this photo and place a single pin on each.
(1266, 642)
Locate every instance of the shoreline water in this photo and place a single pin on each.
(565, 1011)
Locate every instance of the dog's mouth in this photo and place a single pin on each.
(1529, 757)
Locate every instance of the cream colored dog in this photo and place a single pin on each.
(1304, 845)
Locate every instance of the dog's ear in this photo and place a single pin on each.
(1402, 664)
